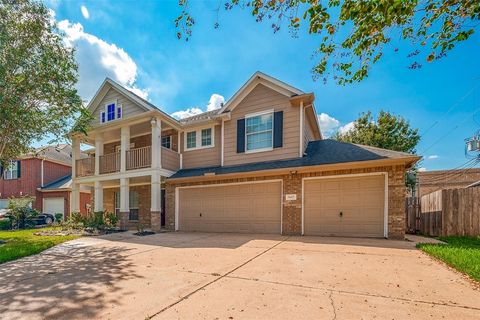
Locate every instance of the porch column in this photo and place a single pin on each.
(156, 203)
(124, 147)
(75, 198)
(124, 202)
(156, 143)
(98, 152)
(75, 155)
(98, 199)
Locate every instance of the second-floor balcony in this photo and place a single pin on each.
(136, 158)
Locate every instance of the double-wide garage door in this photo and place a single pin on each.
(249, 208)
(345, 206)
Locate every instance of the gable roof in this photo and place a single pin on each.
(64, 182)
(61, 153)
(320, 152)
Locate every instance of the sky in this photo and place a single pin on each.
(135, 44)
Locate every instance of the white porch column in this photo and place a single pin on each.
(75, 155)
(156, 202)
(98, 152)
(124, 146)
(124, 202)
(156, 143)
(75, 198)
(98, 201)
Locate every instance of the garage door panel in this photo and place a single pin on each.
(360, 199)
(249, 208)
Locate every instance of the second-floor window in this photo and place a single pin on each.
(198, 139)
(112, 112)
(259, 132)
(12, 171)
(167, 142)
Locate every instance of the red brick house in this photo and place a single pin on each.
(45, 175)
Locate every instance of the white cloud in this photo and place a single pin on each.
(216, 102)
(329, 125)
(182, 114)
(98, 59)
(85, 12)
(432, 157)
(422, 169)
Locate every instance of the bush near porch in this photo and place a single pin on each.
(461, 253)
(22, 243)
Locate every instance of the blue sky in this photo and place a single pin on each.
(137, 46)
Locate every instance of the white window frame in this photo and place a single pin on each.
(11, 168)
(198, 138)
(115, 115)
(169, 141)
(253, 115)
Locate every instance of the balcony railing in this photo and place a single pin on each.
(110, 163)
(85, 167)
(170, 159)
(139, 158)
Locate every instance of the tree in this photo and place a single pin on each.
(352, 33)
(387, 131)
(38, 74)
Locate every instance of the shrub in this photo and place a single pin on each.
(111, 220)
(20, 214)
(97, 220)
(58, 217)
(5, 224)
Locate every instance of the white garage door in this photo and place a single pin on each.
(54, 205)
(249, 208)
(345, 206)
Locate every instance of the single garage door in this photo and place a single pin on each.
(54, 205)
(346, 206)
(248, 208)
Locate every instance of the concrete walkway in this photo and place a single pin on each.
(231, 276)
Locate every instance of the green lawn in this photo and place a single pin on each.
(23, 243)
(461, 253)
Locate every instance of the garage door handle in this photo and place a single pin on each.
(341, 214)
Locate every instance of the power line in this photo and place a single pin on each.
(453, 173)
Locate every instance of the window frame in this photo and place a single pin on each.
(198, 138)
(169, 141)
(9, 169)
(272, 130)
(117, 112)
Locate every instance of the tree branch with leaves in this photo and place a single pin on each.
(352, 34)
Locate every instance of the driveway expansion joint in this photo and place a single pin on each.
(216, 279)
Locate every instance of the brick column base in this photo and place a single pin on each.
(156, 221)
(124, 220)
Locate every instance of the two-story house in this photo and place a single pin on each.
(44, 175)
(259, 164)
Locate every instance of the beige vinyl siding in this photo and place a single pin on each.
(128, 107)
(308, 134)
(206, 157)
(262, 98)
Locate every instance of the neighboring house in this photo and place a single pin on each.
(35, 175)
(430, 181)
(259, 164)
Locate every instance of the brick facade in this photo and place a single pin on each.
(292, 184)
(144, 202)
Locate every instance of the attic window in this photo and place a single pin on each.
(112, 112)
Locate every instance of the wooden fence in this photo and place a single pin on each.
(451, 212)
(412, 219)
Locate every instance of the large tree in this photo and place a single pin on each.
(387, 130)
(38, 74)
(352, 33)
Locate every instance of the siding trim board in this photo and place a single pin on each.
(385, 204)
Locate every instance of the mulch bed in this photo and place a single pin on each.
(76, 232)
(143, 233)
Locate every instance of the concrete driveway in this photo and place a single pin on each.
(231, 276)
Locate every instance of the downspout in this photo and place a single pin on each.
(41, 173)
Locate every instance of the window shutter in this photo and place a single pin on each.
(1, 171)
(119, 112)
(103, 117)
(240, 135)
(19, 169)
(278, 129)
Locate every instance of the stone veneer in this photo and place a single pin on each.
(292, 184)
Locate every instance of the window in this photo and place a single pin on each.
(259, 132)
(11, 171)
(111, 112)
(191, 140)
(167, 142)
(206, 137)
(133, 204)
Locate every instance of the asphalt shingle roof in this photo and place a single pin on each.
(61, 183)
(320, 152)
